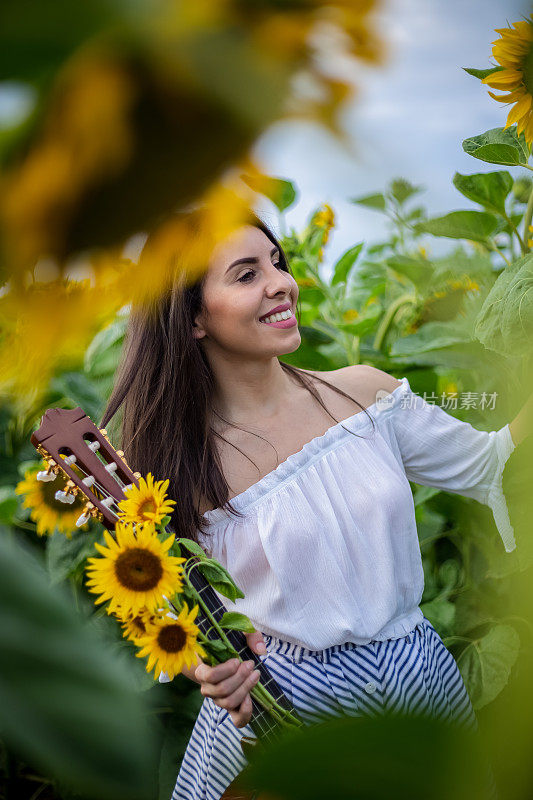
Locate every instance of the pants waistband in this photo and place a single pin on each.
(297, 652)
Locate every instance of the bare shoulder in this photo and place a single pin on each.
(362, 381)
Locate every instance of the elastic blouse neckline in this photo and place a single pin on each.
(311, 450)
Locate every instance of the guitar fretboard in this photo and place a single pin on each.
(262, 725)
(70, 441)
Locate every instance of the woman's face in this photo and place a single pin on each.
(237, 295)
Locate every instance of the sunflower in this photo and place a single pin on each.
(49, 514)
(325, 219)
(134, 625)
(146, 502)
(514, 52)
(171, 642)
(135, 571)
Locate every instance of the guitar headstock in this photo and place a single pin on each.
(71, 443)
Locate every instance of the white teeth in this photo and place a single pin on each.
(278, 317)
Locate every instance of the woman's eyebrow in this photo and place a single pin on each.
(249, 260)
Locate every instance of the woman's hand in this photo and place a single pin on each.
(229, 684)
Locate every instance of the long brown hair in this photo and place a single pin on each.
(164, 388)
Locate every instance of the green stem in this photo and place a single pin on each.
(527, 218)
(492, 246)
(388, 317)
(208, 614)
(262, 694)
(515, 229)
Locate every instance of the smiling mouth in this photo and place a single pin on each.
(262, 319)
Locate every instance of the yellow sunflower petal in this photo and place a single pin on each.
(509, 98)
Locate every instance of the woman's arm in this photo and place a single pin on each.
(522, 424)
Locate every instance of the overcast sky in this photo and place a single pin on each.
(409, 119)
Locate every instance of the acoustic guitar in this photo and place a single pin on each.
(68, 437)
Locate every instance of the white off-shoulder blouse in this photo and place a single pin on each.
(328, 550)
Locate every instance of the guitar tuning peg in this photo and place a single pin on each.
(120, 454)
(64, 497)
(51, 471)
(46, 475)
(69, 494)
(104, 434)
(137, 475)
(89, 510)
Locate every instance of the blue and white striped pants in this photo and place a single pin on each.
(412, 674)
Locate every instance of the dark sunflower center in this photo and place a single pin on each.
(528, 71)
(138, 569)
(147, 507)
(50, 488)
(172, 638)
(139, 624)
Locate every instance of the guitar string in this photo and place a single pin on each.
(260, 720)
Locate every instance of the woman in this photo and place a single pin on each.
(320, 534)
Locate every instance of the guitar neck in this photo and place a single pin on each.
(261, 722)
(71, 443)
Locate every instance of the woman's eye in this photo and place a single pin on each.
(244, 278)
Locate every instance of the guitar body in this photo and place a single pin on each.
(67, 437)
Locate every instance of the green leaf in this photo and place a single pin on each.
(392, 755)
(191, 545)
(505, 320)
(449, 574)
(64, 556)
(402, 190)
(178, 729)
(279, 191)
(486, 664)
(219, 650)
(424, 493)
(312, 336)
(430, 336)
(233, 621)
(498, 146)
(481, 73)
(507, 227)
(66, 705)
(8, 504)
(77, 390)
(441, 614)
(103, 354)
(419, 272)
(472, 609)
(489, 189)
(220, 579)
(343, 266)
(360, 327)
(477, 226)
(430, 524)
(376, 201)
(522, 189)
(332, 331)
